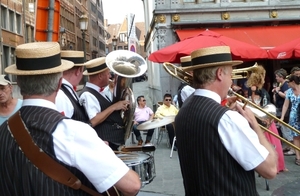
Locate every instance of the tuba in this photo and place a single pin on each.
(125, 65)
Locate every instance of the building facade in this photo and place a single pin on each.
(117, 36)
(18, 27)
(265, 23)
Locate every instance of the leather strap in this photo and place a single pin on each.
(41, 160)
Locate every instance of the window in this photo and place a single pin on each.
(94, 42)
(3, 17)
(19, 25)
(120, 47)
(123, 37)
(5, 56)
(11, 21)
(188, 1)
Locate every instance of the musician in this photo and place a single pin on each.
(219, 149)
(184, 90)
(8, 104)
(67, 100)
(142, 113)
(167, 109)
(103, 113)
(71, 143)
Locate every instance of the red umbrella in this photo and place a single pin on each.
(286, 51)
(239, 50)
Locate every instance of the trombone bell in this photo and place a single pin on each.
(244, 72)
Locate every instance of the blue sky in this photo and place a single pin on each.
(116, 10)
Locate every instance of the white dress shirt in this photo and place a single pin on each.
(78, 145)
(63, 103)
(90, 102)
(186, 91)
(237, 136)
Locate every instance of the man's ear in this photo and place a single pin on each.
(219, 73)
(59, 84)
(79, 70)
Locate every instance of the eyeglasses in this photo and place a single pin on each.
(168, 99)
(143, 100)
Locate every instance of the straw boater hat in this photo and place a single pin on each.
(212, 56)
(77, 57)
(38, 58)
(186, 61)
(95, 66)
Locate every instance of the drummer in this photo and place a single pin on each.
(167, 109)
(142, 113)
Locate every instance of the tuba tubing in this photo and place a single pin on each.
(126, 65)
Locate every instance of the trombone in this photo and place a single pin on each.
(272, 117)
(259, 113)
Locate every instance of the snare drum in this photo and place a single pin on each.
(142, 164)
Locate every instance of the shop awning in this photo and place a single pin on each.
(264, 37)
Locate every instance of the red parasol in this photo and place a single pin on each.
(286, 51)
(239, 50)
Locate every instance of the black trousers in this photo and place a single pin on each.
(171, 133)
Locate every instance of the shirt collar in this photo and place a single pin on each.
(64, 81)
(208, 93)
(40, 103)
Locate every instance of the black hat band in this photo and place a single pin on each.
(33, 64)
(213, 58)
(75, 60)
(97, 68)
(186, 64)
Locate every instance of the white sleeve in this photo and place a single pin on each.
(186, 92)
(63, 104)
(241, 141)
(78, 145)
(90, 103)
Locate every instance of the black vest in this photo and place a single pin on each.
(179, 98)
(18, 175)
(207, 167)
(112, 128)
(79, 111)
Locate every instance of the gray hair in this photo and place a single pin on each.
(44, 85)
(205, 76)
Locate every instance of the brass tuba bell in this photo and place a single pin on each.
(125, 65)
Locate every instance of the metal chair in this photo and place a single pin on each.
(173, 144)
(162, 131)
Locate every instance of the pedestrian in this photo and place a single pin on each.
(8, 104)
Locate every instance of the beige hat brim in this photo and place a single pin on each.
(193, 67)
(79, 65)
(86, 73)
(65, 65)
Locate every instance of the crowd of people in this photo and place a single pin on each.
(72, 127)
